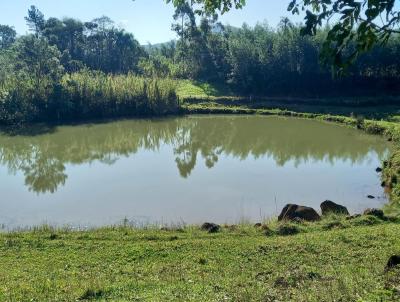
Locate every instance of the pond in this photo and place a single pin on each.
(224, 169)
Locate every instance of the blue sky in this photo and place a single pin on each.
(149, 20)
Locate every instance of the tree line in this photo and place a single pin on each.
(38, 70)
(263, 60)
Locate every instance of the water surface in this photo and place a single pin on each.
(188, 169)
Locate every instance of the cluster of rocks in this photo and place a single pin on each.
(298, 213)
(294, 212)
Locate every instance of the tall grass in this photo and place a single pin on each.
(99, 95)
(86, 95)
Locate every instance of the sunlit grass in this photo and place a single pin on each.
(332, 260)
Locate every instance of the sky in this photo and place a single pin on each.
(149, 20)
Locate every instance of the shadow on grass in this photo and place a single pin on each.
(28, 130)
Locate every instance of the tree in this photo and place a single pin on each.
(7, 36)
(35, 20)
(197, 50)
(210, 6)
(97, 44)
(360, 24)
(38, 58)
(110, 49)
(37, 65)
(186, 29)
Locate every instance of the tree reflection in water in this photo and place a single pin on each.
(43, 158)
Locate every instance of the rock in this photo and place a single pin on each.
(210, 227)
(375, 212)
(371, 197)
(329, 207)
(293, 211)
(392, 262)
(383, 184)
(379, 169)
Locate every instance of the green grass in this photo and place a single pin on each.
(391, 179)
(192, 89)
(196, 94)
(332, 260)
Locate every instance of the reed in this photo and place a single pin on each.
(86, 95)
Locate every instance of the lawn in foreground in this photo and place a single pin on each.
(238, 264)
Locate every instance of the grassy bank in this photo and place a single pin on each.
(332, 260)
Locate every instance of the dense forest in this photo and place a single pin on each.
(69, 69)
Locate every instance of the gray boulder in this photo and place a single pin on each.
(293, 212)
(210, 227)
(392, 262)
(329, 207)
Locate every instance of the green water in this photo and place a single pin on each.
(187, 169)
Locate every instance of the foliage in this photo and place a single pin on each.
(35, 20)
(37, 71)
(273, 61)
(366, 23)
(211, 5)
(199, 49)
(265, 61)
(97, 95)
(97, 44)
(7, 36)
(85, 95)
(391, 179)
(31, 82)
(158, 66)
